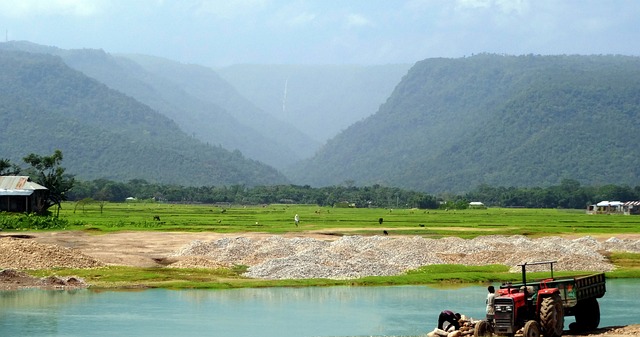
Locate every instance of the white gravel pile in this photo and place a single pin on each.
(350, 257)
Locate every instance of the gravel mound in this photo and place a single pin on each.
(358, 256)
(27, 255)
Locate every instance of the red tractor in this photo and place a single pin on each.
(539, 307)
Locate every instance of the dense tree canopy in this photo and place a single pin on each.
(569, 194)
(46, 171)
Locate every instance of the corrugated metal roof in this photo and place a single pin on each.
(18, 185)
(610, 203)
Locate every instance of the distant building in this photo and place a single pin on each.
(477, 204)
(19, 195)
(608, 207)
(631, 208)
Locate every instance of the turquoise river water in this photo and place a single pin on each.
(281, 312)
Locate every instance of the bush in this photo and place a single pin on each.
(30, 221)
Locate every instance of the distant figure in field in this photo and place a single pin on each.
(380, 220)
(156, 217)
(385, 232)
(296, 219)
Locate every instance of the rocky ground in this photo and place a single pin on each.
(294, 256)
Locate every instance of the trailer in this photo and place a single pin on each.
(539, 306)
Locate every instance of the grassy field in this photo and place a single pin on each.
(278, 219)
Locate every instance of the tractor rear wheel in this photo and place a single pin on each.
(482, 329)
(531, 329)
(552, 316)
(588, 314)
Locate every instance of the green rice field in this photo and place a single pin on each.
(278, 219)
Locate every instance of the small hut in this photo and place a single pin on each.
(19, 195)
(606, 207)
(631, 208)
(477, 205)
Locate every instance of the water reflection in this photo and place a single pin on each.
(333, 311)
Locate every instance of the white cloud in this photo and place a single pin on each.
(302, 19)
(504, 6)
(229, 9)
(471, 4)
(357, 20)
(29, 8)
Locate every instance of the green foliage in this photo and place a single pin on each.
(569, 194)
(452, 125)
(14, 222)
(368, 196)
(46, 171)
(625, 260)
(104, 133)
(560, 196)
(7, 168)
(278, 219)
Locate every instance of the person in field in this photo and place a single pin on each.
(296, 219)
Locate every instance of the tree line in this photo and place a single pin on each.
(47, 171)
(347, 195)
(569, 194)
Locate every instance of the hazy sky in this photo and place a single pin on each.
(224, 32)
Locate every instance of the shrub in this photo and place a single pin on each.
(30, 221)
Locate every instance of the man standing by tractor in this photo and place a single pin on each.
(490, 300)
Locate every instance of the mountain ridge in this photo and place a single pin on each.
(198, 116)
(453, 124)
(46, 105)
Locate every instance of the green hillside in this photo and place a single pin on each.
(195, 97)
(260, 135)
(452, 124)
(45, 105)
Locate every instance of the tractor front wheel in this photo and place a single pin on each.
(531, 329)
(482, 329)
(552, 316)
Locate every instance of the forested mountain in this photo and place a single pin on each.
(320, 100)
(45, 105)
(259, 135)
(195, 97)
(453, 124)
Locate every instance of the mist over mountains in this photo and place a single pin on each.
(442, 125)
(45, 105)
(320, 100)
(453, 124)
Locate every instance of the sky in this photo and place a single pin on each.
(219, 33)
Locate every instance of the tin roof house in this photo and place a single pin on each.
(631, 208)
(19, 195)
(615, 207)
